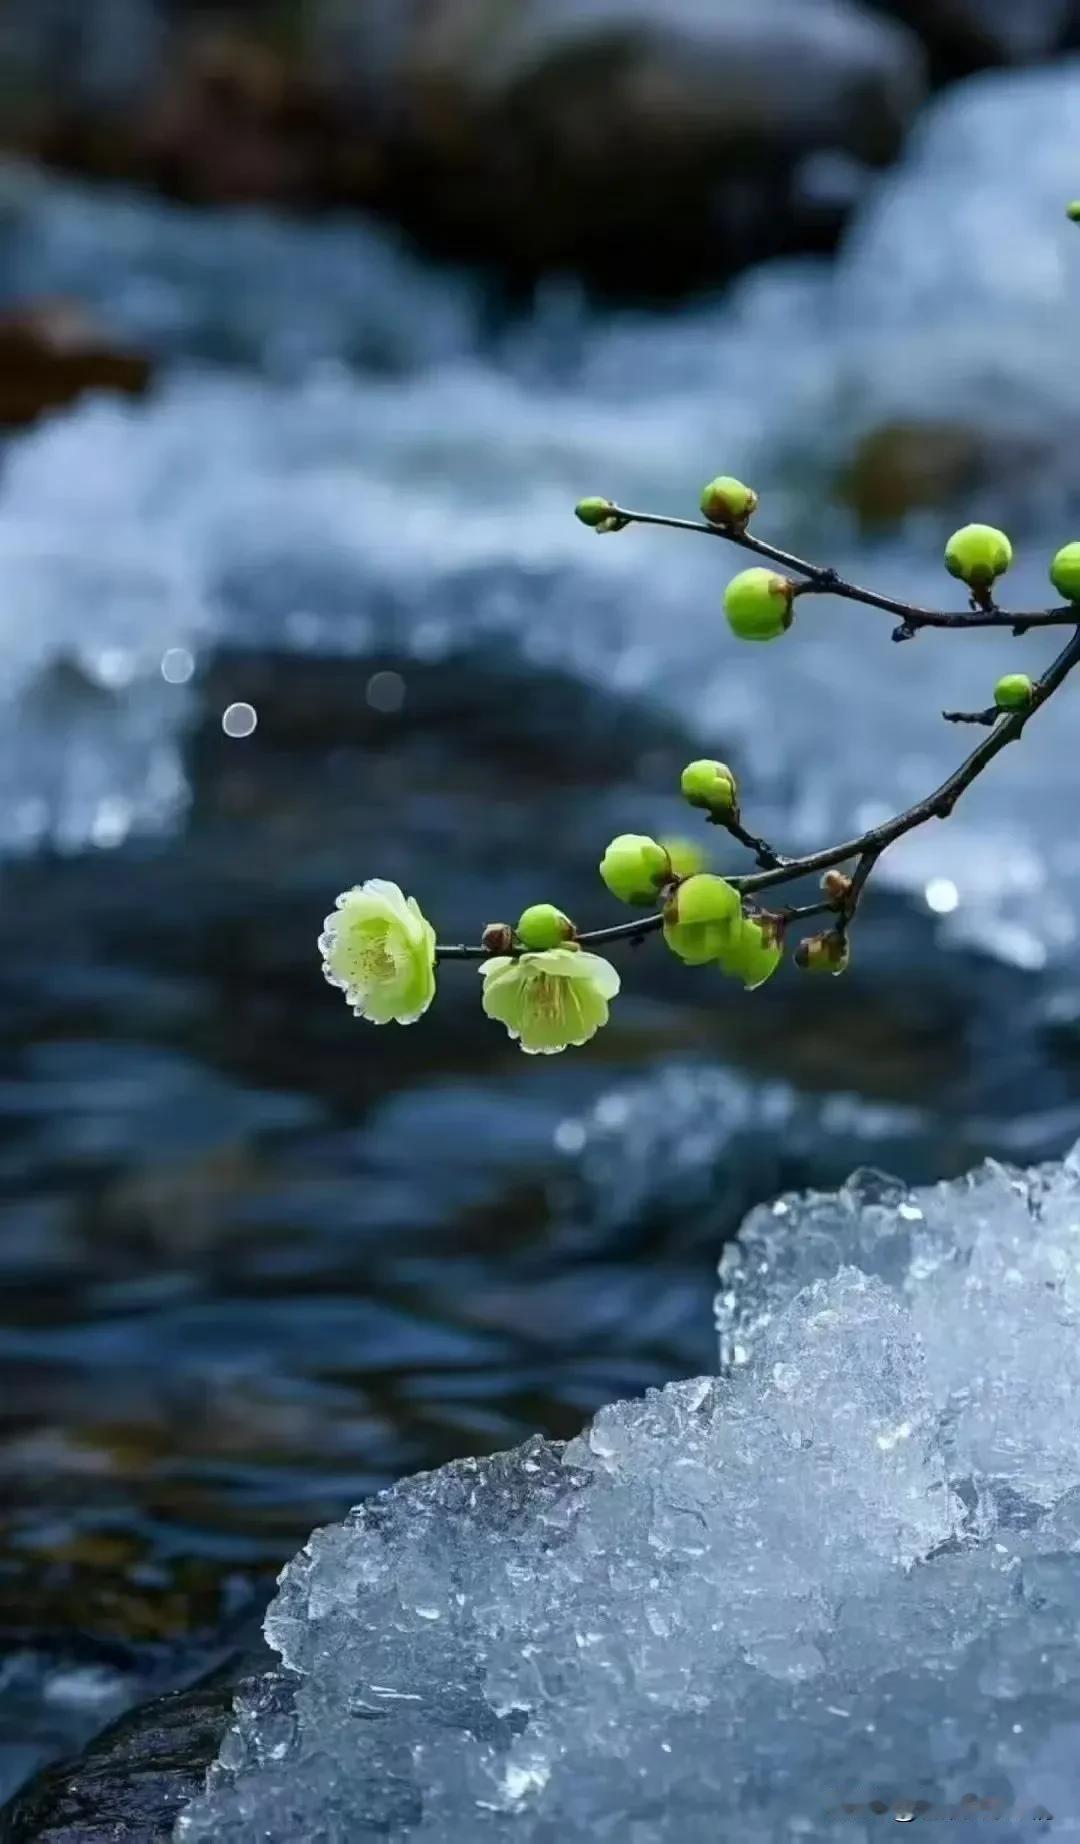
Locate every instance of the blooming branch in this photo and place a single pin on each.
(543, 979)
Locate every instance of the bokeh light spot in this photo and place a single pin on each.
(386, 692)
(239, 720)
(942, 896)
(177, 665)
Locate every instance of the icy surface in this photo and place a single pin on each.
(344, 453)
(847, 1570)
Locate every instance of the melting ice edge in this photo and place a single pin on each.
(845, 1570)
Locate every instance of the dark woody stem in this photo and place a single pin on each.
(775, 872)
(822, 581)
(937, 805)
(767, 858)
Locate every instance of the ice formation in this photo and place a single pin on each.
(834, 1587)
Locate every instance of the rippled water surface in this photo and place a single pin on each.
(257, 1261)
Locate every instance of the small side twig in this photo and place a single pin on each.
(775, 871)
(987, 717)
(766, 855)
(820, 580)
(869, 845)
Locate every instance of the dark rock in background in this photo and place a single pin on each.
(53, 352)
(965, 35)
(901, 467)
(502, 123)
(487, 130)
(136, 1779)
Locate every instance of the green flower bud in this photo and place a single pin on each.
(595, 512)
(686, 856)
(756, 950)
(635, 868)
(725, 501)
(710, 785)
(823, 953)
(544, 926)
(1065, 572)
(758, 604)
(702, 918)
(1014, 692)
(1072, 210)
(978, 555)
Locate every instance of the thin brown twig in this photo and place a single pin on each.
(867, 848)
(767, 857)
(825, 581)
(805, 912)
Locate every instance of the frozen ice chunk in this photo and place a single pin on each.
(845, 1571)
(992, 1287)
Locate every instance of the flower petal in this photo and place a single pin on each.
(599, 972)
(379, 948)
(549, 1000)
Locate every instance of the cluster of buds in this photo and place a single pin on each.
(979, 554)
(541, 980)
(760, 602)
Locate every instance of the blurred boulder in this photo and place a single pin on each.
(646, 143)
(235, 119)
(902, 467)
(635, 140)
(52, 352)
(131, 1784)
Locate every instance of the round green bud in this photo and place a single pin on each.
(543, 926)
(710, 785)
(823, 953)
(1014, 692)
(687, 857)
(635, 868)
(978, 555)
(595, 512)
(756, 950)
(701, 919)
(758, 604)
(726, 501)
(1072, 210)
(1065, 572)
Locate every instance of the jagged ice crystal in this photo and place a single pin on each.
(846, 1570)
